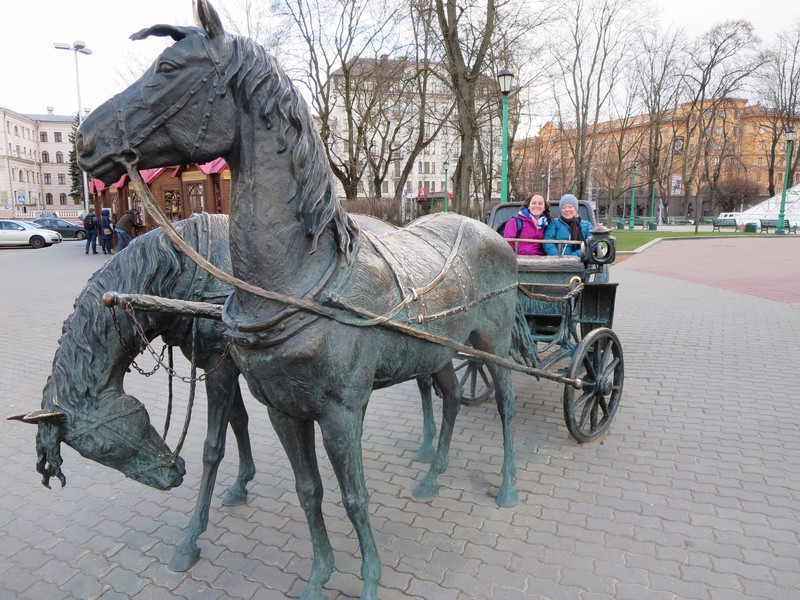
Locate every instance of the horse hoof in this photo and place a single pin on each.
(183, 561)
(426, 490)
(425, 455)
(234, 498)
(507, 498)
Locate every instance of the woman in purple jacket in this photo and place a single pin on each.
(529, 224)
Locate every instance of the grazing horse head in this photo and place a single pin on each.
(84, 403)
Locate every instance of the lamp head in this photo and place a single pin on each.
(790, 135)
(505, 77)
(62, 46)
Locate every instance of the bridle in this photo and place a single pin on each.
(130, 142)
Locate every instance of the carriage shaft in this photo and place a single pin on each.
(164, 305)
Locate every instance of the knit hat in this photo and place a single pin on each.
(568, 199)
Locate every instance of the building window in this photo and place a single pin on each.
(59, 157)
(47, 179)
(62, 179)
(16, 131)
(196, 201)
(21, 177)
(758, 177)
(760, 161)
(57, 136)
(48, 198)
(77, 199)
(62, 199)
(43, 136)
(45, 157)
(433, 186)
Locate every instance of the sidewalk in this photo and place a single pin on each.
(693, 495)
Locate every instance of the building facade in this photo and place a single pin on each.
(34, 164)
(694, 161)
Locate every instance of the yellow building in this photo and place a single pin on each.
(694, 160)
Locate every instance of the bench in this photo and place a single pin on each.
(707, 220)
(645, 222)
(718, 224)
(679, 221)
(773, 223)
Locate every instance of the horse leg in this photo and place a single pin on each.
(239, 420)
(425, 452)
(297, 437)
(451, 402)
(341, 433)
(220, 399)
(506, 407)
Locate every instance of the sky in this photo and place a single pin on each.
(35, 75)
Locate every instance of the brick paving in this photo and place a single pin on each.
(694, 494)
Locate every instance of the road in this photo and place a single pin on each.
(693, 494)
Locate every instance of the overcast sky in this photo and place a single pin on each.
(35, 75)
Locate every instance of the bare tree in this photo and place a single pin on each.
(658, 77)
(343, 41)
(719, 66)
(591, 51)
(779, 86)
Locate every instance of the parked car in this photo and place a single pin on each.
(67, 229)
(20, 233)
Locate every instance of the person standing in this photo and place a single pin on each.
(90, 225)
(529, 224)
(124, 229)
(568, 226)
(106, 231)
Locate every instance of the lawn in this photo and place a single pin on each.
(631, 240)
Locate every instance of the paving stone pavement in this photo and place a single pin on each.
(694, 493)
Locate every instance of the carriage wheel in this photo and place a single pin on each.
(476, 381)
(599, 364)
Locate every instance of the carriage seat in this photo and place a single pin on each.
(548, 264)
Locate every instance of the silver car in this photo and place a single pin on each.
(22, 233)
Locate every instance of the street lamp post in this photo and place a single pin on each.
(779, 230)
(505, 77)
(446, 168)
(633, 197)
(78, 47)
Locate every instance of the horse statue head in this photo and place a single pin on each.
(115, 432)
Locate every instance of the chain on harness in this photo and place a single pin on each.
(168, 367)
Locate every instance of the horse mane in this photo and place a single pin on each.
(150, 265)
(251, 67)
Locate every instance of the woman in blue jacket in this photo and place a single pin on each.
(567, 227)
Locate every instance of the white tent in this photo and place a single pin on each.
(770, 208)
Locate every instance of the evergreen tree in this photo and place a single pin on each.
(75, 173)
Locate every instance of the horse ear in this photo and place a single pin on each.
(37, 416)
(207, 19)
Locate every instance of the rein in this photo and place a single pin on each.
(313, 307)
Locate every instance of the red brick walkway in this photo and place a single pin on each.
(764, 267)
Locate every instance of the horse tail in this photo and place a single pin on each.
(523, 346)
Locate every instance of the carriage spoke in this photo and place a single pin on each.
(587, 412)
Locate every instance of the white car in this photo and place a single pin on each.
(22, 233)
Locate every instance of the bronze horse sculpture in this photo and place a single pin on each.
(84, 403)
(151, 265)
(338, 312)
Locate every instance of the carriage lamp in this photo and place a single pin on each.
(601, 246)
(505, 77)
(78, 47)
(779, 230)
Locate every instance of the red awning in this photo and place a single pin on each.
(120, 182)
(215, 166)
(150, 175)
(96, 186)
